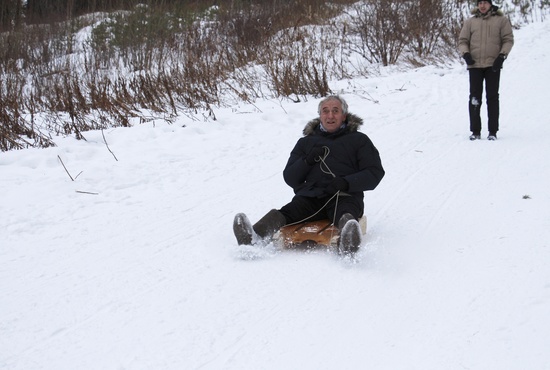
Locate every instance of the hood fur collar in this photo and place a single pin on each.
(352, 121)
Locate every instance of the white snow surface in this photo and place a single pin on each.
(133, 265)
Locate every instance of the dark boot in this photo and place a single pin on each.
(344, 220)
(269, 224)
(242, 228)
(350, 235)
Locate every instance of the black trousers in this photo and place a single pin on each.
(492, 81)
(303, 208)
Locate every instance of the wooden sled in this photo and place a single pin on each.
(314, 234)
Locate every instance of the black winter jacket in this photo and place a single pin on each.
(351, 155)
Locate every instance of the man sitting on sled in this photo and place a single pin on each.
(329, 169)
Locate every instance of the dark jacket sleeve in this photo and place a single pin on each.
(296, 168)
(370, 171)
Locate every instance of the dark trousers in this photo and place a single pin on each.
(305, 209)
(492, 81)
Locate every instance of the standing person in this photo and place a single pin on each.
(329, 169)
(485, 42)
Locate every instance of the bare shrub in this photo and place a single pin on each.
(426, 24)
(380, 27)
(174, 57)
(162, 59)
(425, 30)
(17, 132)
(295, 65)
(432, 27)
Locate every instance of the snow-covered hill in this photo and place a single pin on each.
(134, 266)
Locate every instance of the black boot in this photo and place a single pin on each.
(242, 228)
(344, 220)
(269, 224)
(350, 235)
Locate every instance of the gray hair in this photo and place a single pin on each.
(334, 97)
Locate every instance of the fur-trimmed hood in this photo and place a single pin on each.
(352, 124)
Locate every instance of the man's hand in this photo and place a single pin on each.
(337, 184)
(314, 155)
(468, 59)
(497, 64)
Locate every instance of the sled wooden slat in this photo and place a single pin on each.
(308, 234)
(312, 234)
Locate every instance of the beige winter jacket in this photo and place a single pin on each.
(485, 37)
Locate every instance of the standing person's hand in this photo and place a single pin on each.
(468, 59)
(497, 64)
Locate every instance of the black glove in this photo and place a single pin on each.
(314, 154)
(468, 59)
(337, 184)
(498, 62)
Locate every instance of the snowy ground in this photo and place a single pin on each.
(145, 273)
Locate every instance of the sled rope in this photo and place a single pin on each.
(320, 209)
(326, 169)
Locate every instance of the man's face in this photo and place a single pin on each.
(332, 116)
(484, 6)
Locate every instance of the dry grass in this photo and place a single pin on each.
(161, 60)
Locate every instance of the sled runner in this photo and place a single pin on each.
(309, 235)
